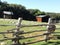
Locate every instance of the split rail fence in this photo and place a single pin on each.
(17, 32)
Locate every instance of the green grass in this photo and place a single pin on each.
(48, 43)
(27, 29)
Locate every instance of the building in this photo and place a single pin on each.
(7, 14)
(42, 18)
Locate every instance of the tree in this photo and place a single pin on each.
(34, 12)
(43, 13)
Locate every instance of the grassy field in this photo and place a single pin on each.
(27, 29)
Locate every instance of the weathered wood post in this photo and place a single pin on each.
(50, 28)
(16, 41)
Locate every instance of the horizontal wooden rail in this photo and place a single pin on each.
(21, 37)
(34, 31)
(21, 32)
(37, 25)
(8, 25)
(57, 28)
(26, 25)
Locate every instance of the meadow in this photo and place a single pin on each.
(53, 41)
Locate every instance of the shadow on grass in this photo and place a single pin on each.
(51, 43)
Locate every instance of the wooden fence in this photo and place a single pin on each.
(17, 32)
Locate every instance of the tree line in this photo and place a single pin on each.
(21, 11)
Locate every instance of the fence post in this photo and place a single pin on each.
(16, 36)
(19, 24)
(50, 28)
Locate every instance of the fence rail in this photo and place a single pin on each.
(22, 32)
(28, 25)
(21, 37)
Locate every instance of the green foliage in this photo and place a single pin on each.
(34, 12)
(54, 15)
(43, 13)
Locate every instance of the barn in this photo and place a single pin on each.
(42, 18)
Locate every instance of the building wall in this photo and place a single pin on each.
(45, 19)
(42, 19)
(7, 16)
(39, 19)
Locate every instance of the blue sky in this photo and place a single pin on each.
(43, 5)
